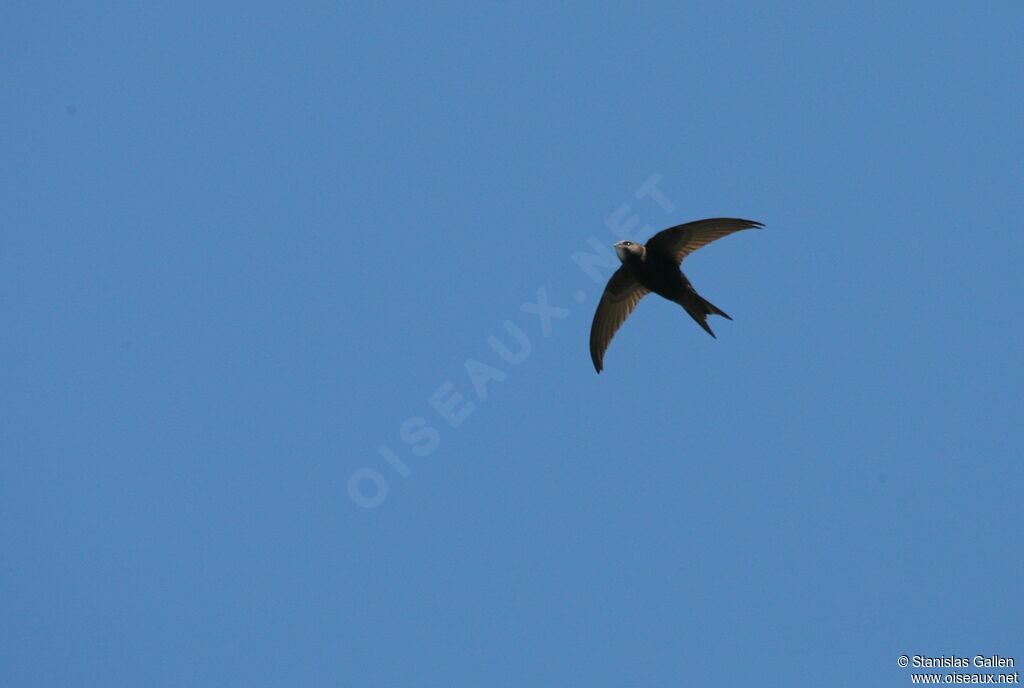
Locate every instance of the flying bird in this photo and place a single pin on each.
(654, 267)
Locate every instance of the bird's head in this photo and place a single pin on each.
(625, 249)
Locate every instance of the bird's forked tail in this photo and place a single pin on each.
(712, 309)
(700, 308)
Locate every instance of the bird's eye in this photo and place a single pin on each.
(627, 243)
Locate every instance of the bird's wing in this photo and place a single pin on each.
(682, 240)
(620, 297)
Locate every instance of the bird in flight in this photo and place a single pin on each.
(654, 267)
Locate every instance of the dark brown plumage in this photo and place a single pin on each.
(654, 267)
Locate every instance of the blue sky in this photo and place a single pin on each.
(244, 246)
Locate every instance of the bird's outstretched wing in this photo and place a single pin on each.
(682, 240)
(620, 297)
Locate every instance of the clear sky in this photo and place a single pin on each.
(294, 367)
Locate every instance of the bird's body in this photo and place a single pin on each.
(661, 275)
(654, 268)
